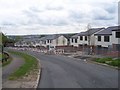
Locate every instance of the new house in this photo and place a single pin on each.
(85, 38)
(108, 37)
(51, 41)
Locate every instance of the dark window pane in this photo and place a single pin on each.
(117, 34)
(85, 38)
(99, 38)
(75, 40)
(72, 40)
(106, 38)
(81, 37)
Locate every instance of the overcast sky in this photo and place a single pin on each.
(18, 17)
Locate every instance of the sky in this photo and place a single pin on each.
(26, 17)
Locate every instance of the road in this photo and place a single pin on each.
(65, 72)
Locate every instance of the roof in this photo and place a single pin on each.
(107, 31)
(69, 35)
(117, 28)
(93, 30)
(78, 34)
(42, 38)
(83, 34)
(89, 32)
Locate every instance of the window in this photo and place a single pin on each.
(81, 37)
(99, 38)
(85, 38)
(68, 40)
(75, 40)
(72, 40)
(106, 38)
(117, 34)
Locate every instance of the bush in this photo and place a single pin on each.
(100, 60)
(103, 60)
(109, 61)
(115, 62)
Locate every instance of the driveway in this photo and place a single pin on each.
(65, 72)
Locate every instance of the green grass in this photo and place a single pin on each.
(30, 64)
(115, 62)
(103, 60)
(109, 61)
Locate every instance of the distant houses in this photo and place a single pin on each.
(94, 37)
(48, 41)
(51, 41)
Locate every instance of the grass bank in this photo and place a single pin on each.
(30, 64)
(109, 61)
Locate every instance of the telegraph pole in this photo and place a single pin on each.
(89, 45)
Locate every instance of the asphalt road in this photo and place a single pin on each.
(65, 72)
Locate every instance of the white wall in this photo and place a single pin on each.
(82, 41)
(102, 43)
(93, 38)
(114, 39)
(48, 43)
(73, 43)
(60, 41)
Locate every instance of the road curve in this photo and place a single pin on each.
(65, 72)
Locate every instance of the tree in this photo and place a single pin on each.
(17, 38)
(5, 41)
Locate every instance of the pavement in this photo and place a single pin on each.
(13, 66)
(30, 80)
(65, 72)
(9, 69)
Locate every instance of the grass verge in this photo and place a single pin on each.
(109, 61)
(30, 64)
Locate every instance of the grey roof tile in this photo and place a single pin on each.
(89, 32)
(108, 31)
